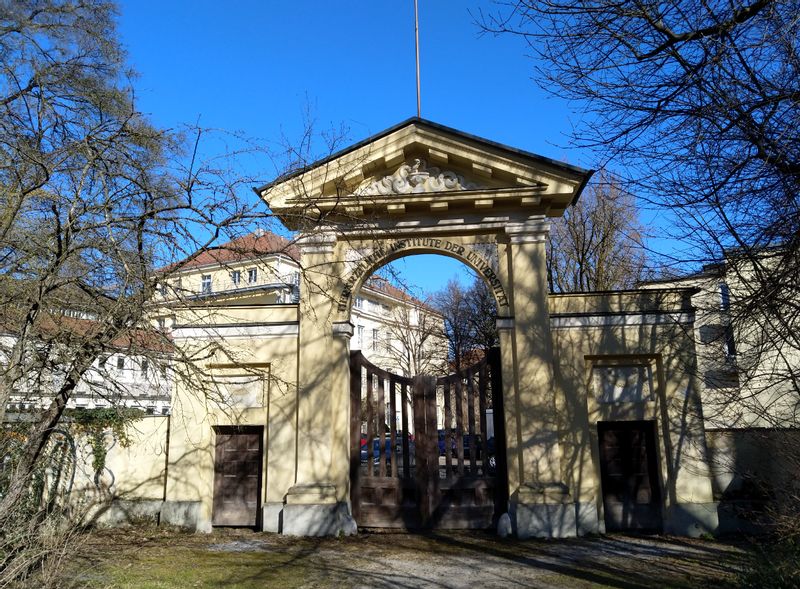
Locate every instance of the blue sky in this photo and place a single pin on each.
(255, 67)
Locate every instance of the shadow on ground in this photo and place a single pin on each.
(230, 558)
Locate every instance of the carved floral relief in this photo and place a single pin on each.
(416, 178)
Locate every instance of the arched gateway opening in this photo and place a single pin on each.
(427, 439)
(423, 188)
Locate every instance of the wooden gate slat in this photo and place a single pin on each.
(448, 424)
(471, 421)
(370, 423)
(381, 425)
(484, 437)
(406, 448)
(393, 421)
(460, 426)
(355, 437)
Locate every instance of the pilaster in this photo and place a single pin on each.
(540, 501)
(323, 399)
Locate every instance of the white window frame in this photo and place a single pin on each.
(236, 277)
(205, 284)
(252, 275)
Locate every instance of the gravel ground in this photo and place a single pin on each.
(372, 560)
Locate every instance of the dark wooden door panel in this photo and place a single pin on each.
(629, 476)
(237, 476)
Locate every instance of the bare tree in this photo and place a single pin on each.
(597, 245)
(696, 106)
(93, 201)
(469, 321)
(413, 339)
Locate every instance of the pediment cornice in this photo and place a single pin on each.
(424, 167)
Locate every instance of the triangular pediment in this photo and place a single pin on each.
(422, 167)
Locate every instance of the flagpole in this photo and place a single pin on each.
(416, 43)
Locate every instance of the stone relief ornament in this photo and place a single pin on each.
(416, 178)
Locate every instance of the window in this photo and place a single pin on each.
(296, 278)
(236, 277)
(102, 362)
(730, 343)
(374, 339)
(724, 297)
(143, 365)
(162, 323)
(205, 283)
(360, 332)
(165, 411)
(359, 303)
(252, 275)
(120, 363)
(151, 410)
(162, 288)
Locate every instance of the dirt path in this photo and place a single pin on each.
(230, 558)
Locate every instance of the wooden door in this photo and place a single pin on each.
(237, 476)
(629, 476)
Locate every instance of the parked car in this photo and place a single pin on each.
(468, 444)
(376, 450)
(491, 457)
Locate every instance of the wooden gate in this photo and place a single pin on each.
(427, 452)
(237, 476)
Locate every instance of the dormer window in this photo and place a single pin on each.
(120, 363)
(205, 283)
(236, 277)
(252, 275)
(359, 303)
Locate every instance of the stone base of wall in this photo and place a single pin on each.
(272, 517)
(312, 510)
(692, 519)
(542, 520)
(185, 515)
(318, 520)
(587, 519)
(122, 512)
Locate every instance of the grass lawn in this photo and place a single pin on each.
(150, 558)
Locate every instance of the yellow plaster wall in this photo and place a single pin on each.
(269, 363)
(667, 347)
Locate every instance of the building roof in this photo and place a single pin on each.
(250, 246)
(262, 243)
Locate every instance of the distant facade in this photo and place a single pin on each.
(120, 379)
(391, 328)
